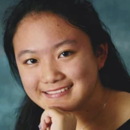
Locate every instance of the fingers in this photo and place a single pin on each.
(42, 126)
(47, 118)
(45, 122)
(56, 119)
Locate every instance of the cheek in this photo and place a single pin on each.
(83, 70)
(29, 79)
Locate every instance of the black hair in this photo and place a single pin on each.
(81, 14)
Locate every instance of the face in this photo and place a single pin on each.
(56, 62)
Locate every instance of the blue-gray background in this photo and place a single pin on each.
(114, 13)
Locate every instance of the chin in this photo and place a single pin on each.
(62, 107)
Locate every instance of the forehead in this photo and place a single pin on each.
(46, 20)
(46, 28)
(47, 23)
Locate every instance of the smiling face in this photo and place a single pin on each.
(56, 62)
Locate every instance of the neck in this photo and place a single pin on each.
(93, 108)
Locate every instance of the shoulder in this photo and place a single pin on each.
(117, 111)
(120, 101)
(125, 126)
(123, 99)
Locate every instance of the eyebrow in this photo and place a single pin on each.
(69, 42)
(65, 42)
(24, 52)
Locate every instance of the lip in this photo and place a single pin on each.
(56, 89)
(57, 95)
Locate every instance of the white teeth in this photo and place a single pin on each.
(58, 91)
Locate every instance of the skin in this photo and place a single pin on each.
(51, 53)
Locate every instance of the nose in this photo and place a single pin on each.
(51, 74)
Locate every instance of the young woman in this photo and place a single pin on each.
(62, 55)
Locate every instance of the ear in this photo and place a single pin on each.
(101, 54)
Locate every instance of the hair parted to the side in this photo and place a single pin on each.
(81, 14)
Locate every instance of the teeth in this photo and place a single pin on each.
(58, 91)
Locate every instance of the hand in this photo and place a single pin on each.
(56, 119)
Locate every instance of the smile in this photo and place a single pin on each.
(59, 91)
(52, 94)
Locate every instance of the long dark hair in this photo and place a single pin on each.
(81, 14)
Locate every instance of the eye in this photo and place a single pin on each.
(30, 61)
(66, 54)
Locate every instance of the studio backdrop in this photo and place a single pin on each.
(114, 13)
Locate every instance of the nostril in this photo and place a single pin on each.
(52, 78)
(51, 74)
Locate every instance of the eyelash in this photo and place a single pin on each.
(30, 60)
(68, 53)
(33, 61)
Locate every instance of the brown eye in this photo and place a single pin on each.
(30, 61)
(66, 54)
